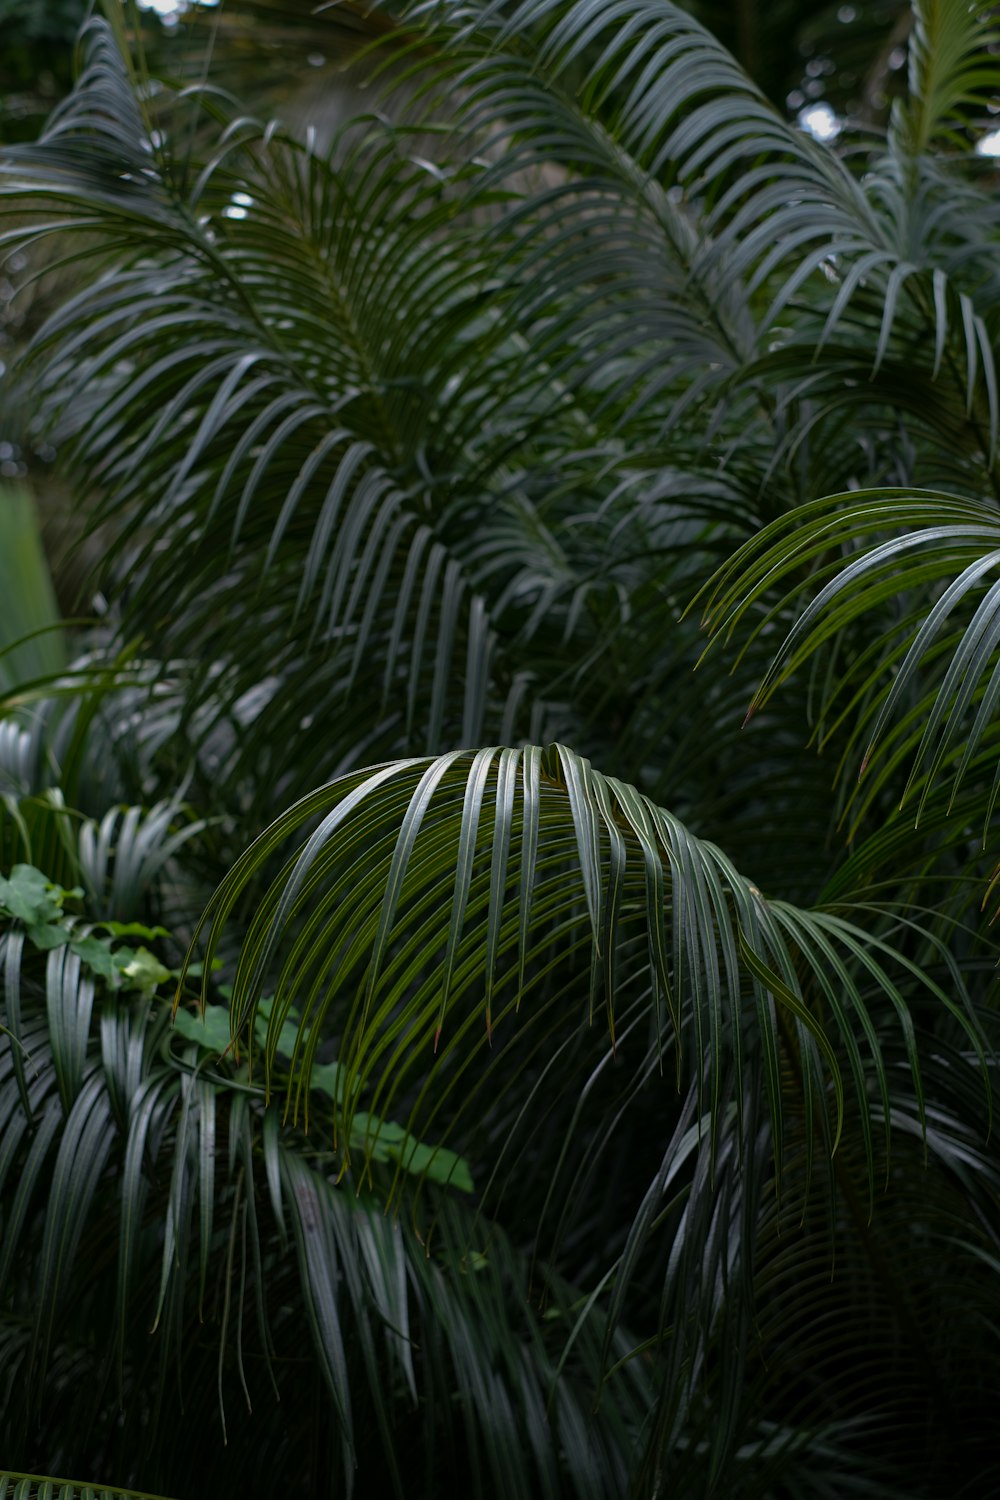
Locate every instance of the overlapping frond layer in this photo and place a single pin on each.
(431, 898)
(125, 1145)
(422, 439)
(388, 382)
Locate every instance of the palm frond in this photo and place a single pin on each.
(952, 66)
(419, 434)
(38, 1487)
(167, 1173)
(940, 541)
(496, 862)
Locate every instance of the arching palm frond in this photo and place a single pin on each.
(226, 1266)
(400, 426)
(39, 1487)
(537, 847)
(447, 920)
(952, 67)
(931, 672)
(764, 207)
(331, 410)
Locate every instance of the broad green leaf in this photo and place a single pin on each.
(140, 969)
(46, 935)
(97, 954)
(210, 1030)
(30, 897)
(133, 929)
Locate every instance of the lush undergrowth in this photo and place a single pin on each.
(496, 877)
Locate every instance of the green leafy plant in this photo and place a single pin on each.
(588, 1088)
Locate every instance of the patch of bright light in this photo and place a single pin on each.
(237, 206)
(169, 10)
(989, 145)
(820, 121)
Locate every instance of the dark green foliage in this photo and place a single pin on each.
(593, 1084)
(38, 39)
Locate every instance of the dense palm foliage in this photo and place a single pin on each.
(590, 1092)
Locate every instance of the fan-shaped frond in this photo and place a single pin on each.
(431, 894)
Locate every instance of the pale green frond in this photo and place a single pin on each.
(952, 67)
(940, 541)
